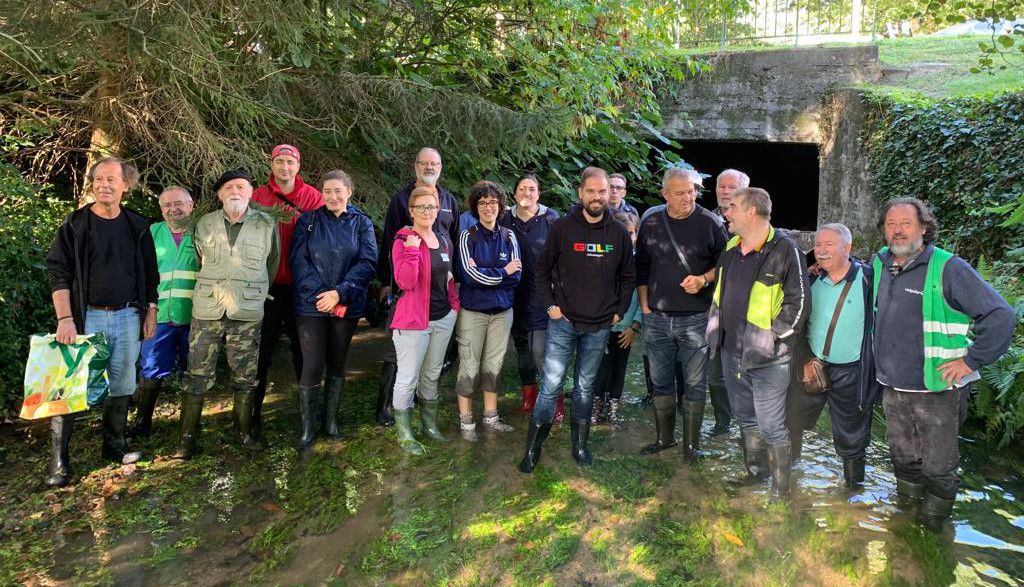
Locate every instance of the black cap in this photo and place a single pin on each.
(232, 174)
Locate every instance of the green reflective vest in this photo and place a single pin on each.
(945, 329)
(178, 266)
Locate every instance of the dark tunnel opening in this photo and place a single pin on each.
(788, 171)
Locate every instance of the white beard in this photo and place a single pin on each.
(907, 249)
(234, 208)
(429, 180)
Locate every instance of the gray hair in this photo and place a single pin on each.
(690, 175)
(840, 229)
(756, 198)
(741, 178)
(129, 174)
(176, 188)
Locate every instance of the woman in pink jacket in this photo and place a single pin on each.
(424, 316)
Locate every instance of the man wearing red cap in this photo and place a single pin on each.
(284, 189)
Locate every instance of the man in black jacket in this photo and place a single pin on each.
(759, 305)
(585, 278)
(428, 170)
(104, 278)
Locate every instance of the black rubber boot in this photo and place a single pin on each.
(664, 424)
(142, 426)
(385, 389)
(648, 382)
(61, 428)
(755, 455)
(693, 417)
(332, 399)
(256, 421)
(115, 419)
(796, 442)
(720, 404)
(780, 464)
(535, 436)
(935, 511)
(580, 430)
(243, 408)
(309, 412)
(853, 472)
(909, 494)
(191, 414)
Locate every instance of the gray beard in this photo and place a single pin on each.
(234, 208)
(908, 249)
(429, 180)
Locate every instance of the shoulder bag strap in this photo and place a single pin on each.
(835, 317)
(675, 245)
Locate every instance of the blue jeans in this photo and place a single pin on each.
(123, 330)
(562, 341)
(758, 397)
(677, 339)
(166, 354)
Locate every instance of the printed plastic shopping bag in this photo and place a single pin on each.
(64, 378)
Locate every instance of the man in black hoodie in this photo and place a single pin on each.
(585, 279)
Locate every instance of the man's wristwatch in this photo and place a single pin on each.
(704, 282)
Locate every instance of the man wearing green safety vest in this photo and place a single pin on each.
(166, 354)
(936, 323)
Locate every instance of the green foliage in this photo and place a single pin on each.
(28, 221)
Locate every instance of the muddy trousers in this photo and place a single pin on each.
(483, 340)
(851, 421)
(924, 429)
(758, 397)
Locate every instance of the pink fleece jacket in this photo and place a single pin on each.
(412, 276)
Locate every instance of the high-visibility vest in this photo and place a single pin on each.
(945, 329)
(178, 266)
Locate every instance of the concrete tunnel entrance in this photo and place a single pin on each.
(788, 171)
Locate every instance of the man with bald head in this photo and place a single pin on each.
(427, 168)
(166, 354)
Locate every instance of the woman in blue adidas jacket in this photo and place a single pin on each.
(488, 268)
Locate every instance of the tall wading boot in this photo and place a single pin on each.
(853, 472)
(61, 428)
(256, 425)
(243, 408)
(115, 420)
(535, 436)
(403, 426)
(309, 411)
(142, 426)
(332, 399)
(755, 456)
(648, 383)
(780, 464)
(908, 494)
(529, 398)
(385, 389)
(191, 414)
(693, 417)
(796, 442)
(580, 430)
(428, 415)
(935, 511)
(720, 404)
(664, 424)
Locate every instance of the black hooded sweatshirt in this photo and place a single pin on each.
(587, 270)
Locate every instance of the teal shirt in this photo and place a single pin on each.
(632, 315)
(846, 342)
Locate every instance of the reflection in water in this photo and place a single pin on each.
(965, 534)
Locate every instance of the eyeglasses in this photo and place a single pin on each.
(428, 163)
(617, 188)
(487, 204)
(424, 208)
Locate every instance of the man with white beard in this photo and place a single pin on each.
(936, 324)
(428, 170)
(238, 250)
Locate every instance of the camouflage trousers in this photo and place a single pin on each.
(242, 342)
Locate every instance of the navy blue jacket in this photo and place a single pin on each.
(530, 313)
(332, 252)
(480, 269)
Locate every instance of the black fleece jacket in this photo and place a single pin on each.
(587, 270)
(68, 261)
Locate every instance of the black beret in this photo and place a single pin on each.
(232, 174)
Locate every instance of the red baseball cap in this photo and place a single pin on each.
(285, 150)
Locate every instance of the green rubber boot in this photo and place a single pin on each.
(403, 426)
(428, 414)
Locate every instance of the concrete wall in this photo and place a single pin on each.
(788, 96)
